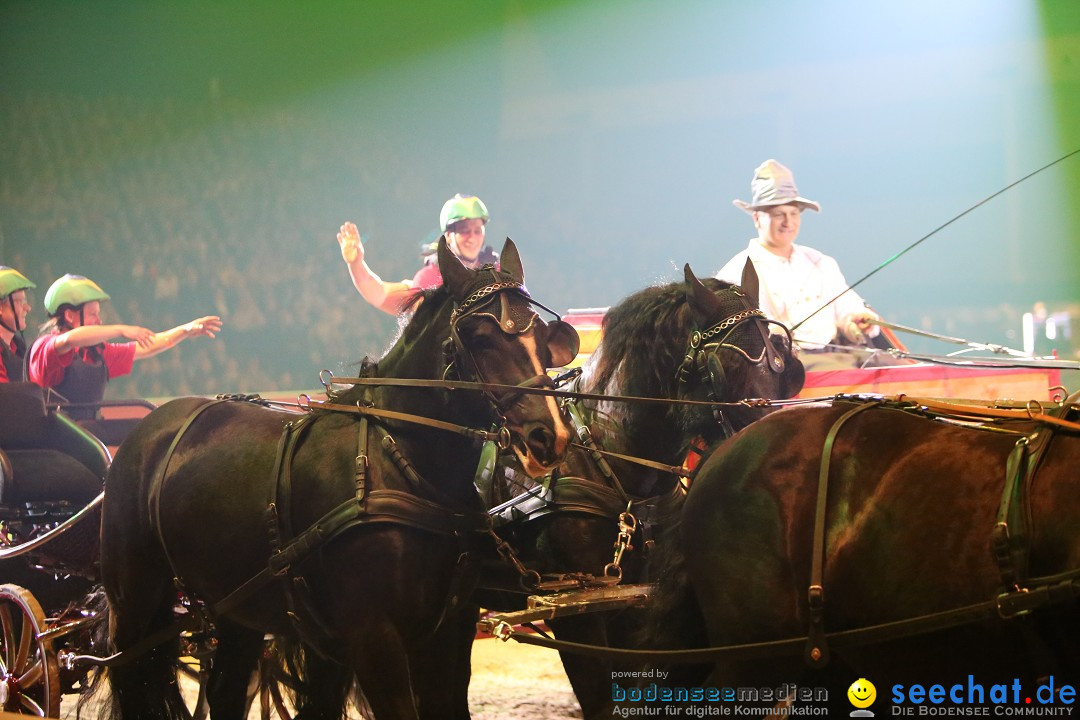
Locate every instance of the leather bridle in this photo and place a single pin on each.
(701, 344)
(512, 320)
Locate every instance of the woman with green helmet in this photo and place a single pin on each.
(13, 310)
(74, 354)
(463, 221)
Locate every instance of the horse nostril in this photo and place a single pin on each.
(541, 442)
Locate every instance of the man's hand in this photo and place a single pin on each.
(858, 326)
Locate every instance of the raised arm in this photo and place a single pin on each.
(387, 296)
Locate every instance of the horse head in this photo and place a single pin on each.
(496, 337)
(732, 355)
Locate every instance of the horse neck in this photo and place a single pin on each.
(418, 354)
(636, 428)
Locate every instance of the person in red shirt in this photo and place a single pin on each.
(74, 354)
(13, 309)
(463, 221)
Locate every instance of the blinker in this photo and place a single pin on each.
(717, 376)
(512, 318)
(563, 343)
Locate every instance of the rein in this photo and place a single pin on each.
(526, 390)
(933, 232)
(501, 437)
(1040, 593)
(663, 467)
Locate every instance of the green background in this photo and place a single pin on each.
(199, 157)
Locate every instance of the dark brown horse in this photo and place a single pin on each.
(912, 515)
(351, 531)
(685, 340)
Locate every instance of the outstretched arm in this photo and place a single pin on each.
(209, 326)
(90, 335)
(387, 296)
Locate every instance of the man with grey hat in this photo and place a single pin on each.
(795, 280)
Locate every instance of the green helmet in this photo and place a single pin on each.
(72, 290)
(462, 207)
(11, 280)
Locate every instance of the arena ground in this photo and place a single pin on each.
(510, 681)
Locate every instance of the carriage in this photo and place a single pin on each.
(51, 476)
(52, 471)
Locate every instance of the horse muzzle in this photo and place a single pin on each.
(541, 441)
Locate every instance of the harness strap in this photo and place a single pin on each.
(301, 610)
(281, 488)
(158, 482)
(1034, 411)
(1008, 539)
(380, 506)
(584, 433)
(484, 477)
(817, 650)
(362, 461)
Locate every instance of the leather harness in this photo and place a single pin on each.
(1020, 594)
(1008, 539)
(367, 506)
(566, 493)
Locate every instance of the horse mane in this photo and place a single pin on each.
(427, 307)
(644, 338)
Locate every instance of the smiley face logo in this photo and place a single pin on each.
(862, 693)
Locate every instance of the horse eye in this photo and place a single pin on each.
(481, 336)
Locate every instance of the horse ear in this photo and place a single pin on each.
(455, 275)
(749, 282)
(510, 261)
(703, 303)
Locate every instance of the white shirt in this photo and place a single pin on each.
(790, 289)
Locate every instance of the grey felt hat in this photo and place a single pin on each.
(773, 185)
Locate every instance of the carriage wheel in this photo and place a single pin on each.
(29, 677)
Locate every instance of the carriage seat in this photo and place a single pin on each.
(44, 475)
(46, 456)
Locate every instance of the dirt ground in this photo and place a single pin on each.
(510, 681)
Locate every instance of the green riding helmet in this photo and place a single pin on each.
(462, 207)
(73, 290)
(11, 280)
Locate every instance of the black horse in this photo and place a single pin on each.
(352, 531)
(685, 340)
(834, 518)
